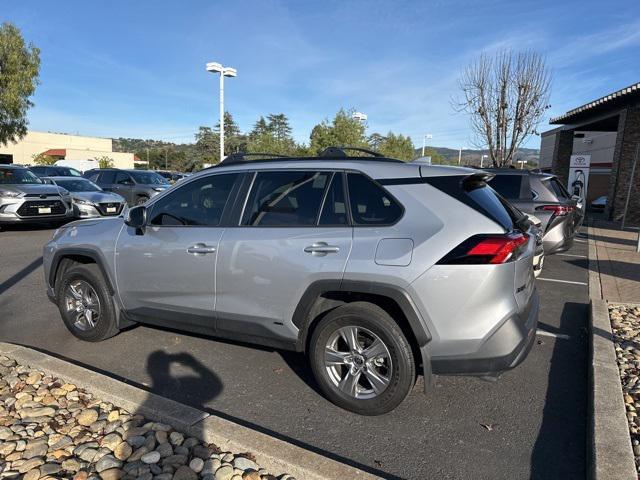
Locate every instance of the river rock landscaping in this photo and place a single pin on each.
(625, 324)
(51, 429)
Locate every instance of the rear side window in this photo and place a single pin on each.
(93, 176)
(285, 199)
(334, 209)
(370, 203)
(509, 186)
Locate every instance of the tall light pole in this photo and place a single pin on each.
(224, 72)
(424, 141)
(482, 157)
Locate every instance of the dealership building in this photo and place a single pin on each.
(64, 147)
(606, 132)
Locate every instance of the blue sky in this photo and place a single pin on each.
(136, 69)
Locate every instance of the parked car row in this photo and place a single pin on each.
(56, 193)
(370, 266)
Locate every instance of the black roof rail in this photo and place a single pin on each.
(338, 152)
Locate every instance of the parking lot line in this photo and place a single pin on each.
(551, 334)
(561, 281)
(571, 255)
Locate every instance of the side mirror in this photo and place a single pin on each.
(136, 217)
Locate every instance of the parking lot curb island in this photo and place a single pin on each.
(611, 453)
(277, 456)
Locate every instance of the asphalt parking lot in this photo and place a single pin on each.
(531, 423)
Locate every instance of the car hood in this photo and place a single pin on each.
(36, 188)
(99, 197)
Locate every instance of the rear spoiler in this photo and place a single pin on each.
(476, 180)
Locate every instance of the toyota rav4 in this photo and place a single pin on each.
(376, 269)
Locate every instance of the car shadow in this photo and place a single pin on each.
(20, 275)
(618, 269)
(560, 447)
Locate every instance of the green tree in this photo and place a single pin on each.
(272, 136)
(234, 141)
(19, 68)
(207, 145)
(42, 159)
(341, 131)
(375, 140)
(104, 161)
(397, 146)
(279, 126)
(436, 158)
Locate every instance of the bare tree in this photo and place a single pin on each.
(506, 96)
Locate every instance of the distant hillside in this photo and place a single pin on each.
(472, 157)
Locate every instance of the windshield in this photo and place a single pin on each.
(14, 176)
(78, 185)
(67, 172)
(148, 178)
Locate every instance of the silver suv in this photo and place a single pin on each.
(24, 198)
(376, 269)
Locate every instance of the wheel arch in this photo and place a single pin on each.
(63, 259)
(324, 295)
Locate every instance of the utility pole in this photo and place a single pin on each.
(224, 72)
(165, 158)
(459, 156)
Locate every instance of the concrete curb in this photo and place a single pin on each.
(610, 452)
(277, 456)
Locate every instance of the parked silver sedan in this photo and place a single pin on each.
(24, 198)
(88, 199)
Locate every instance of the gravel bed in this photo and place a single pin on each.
(51, 429)
(625, 323)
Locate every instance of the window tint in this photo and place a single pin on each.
(107, 177)
(93, 176)
(285, 198)
(370, 204)
(508, 186)
(200, 202)
(556, 187)
(334, 210)
(487, 199)
(123, 178)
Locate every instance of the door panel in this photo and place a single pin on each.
(158, 277)
(262, 273)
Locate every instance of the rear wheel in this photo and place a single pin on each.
(85, 303)
(361, 359)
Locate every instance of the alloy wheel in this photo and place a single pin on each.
(358, 362)
(82, 304)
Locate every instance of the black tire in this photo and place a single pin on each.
(402, 370)
(141, 201)
(106, 326)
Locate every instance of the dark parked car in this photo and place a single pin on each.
(136, 186)
(542, 195)
(172, 177)
(54, 171)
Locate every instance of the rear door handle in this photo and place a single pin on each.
(201, 249)
(320, 249)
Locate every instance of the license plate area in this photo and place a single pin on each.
(44, 210)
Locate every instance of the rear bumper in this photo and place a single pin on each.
(505, 349)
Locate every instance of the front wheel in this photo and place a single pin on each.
(141, 201)
(361, 359)
(85, 303)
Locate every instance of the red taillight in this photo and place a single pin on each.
(558, 210)
(487, 249)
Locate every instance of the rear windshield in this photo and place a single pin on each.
(487, 199)
(509, 186)
(148, 178)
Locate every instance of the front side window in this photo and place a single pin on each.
(370, 204)
(123, 178)
(198, 203)
(14, 176)
(285, 199)
(107, 177)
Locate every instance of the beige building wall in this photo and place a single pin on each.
(77, 147)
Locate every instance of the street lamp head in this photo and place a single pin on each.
(230, 72)
(214, 67)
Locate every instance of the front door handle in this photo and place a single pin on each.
(201, 249)
(320, 249)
